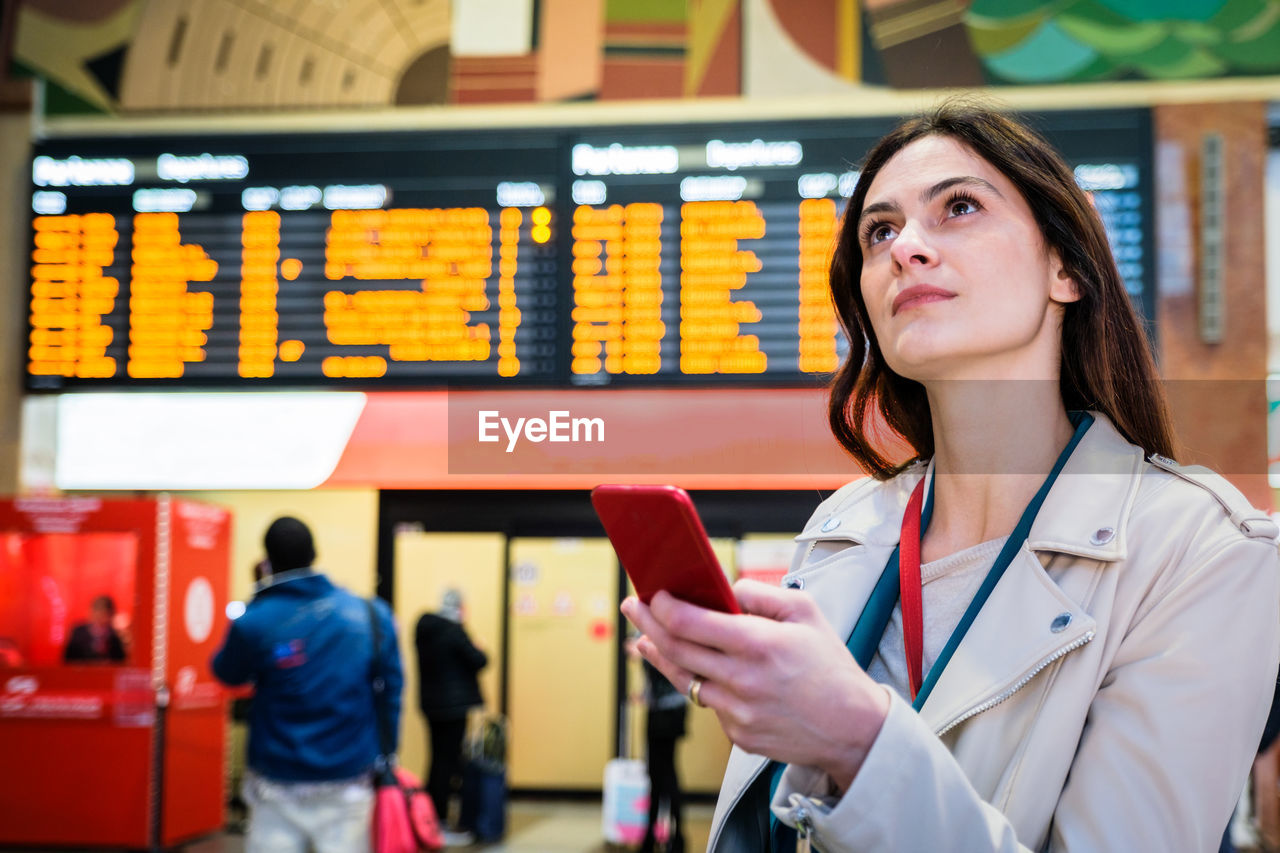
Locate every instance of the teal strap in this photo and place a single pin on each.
(865, 639)
(869, 629)
(781, 837)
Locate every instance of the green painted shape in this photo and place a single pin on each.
(1197, 33)
(1260, 54)
(1096, 12)
(1116, 41)
(997, 38)
(1049, 55)
(1260, 27)
(1101, 68)
(1198, 64)
(1238, 13)
(1164, 10)
(63, 102)
(58, 101)
(1176, 60)
(1003, 10)
(646, 11)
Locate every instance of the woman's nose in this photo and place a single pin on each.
(912, 247)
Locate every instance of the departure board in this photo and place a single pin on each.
(357, 259)
(704, 253)
(621, 255)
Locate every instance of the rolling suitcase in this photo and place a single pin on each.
(625, 812)
(484, 782)
(626, 801)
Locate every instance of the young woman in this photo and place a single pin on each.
(1039, 633)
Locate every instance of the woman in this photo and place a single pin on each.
(97, 640)
(1100, 628)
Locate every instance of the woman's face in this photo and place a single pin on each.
(956, 276)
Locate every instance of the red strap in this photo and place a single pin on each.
(911, 595)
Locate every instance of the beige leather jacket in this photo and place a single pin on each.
(1109, 696)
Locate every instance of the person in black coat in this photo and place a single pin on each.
(448, 663)
(665, 725)
(96, 640)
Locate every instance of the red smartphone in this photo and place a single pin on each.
(662, 545)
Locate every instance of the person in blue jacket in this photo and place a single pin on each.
(307, 647)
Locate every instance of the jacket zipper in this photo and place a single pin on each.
(804, 826)
(991, 703)
(804, 837)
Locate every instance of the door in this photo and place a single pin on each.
(427, 564)
(561, 684)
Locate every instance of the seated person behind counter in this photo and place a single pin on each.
(96, 640)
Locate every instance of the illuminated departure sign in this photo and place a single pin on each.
(719, 272)
(684, 254)
(348, 260)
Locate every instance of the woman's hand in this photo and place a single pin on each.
(781, 682)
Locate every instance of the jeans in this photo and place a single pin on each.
(327, 817)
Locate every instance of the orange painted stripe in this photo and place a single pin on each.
(494, 96)
(488, 64)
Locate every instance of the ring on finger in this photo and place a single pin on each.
(695, 689)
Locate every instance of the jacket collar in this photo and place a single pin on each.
(1085, 513)
(870, 515)
(293, 580)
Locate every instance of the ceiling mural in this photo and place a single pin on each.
(943, 43)
(1019, 41)
(150, 56)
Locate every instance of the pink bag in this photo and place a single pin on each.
(404, 819)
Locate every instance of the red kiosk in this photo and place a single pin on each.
(97, 752)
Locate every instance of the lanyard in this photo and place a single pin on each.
(901, 580)
(911, 583)
(865, 639)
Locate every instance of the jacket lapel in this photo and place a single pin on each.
(1025, 624)
(869, 529)
(1021, 627)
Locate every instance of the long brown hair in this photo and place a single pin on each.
(1106, 362)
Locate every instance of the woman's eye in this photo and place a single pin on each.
(961, 207)
(879, 233)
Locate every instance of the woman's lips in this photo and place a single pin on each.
(919, 294)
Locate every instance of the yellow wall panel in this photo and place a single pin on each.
(344, 523)
(563, 646)
(426, 565)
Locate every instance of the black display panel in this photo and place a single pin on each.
(625, 255)
(405, 259)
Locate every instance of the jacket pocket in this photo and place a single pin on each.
(817, 555)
